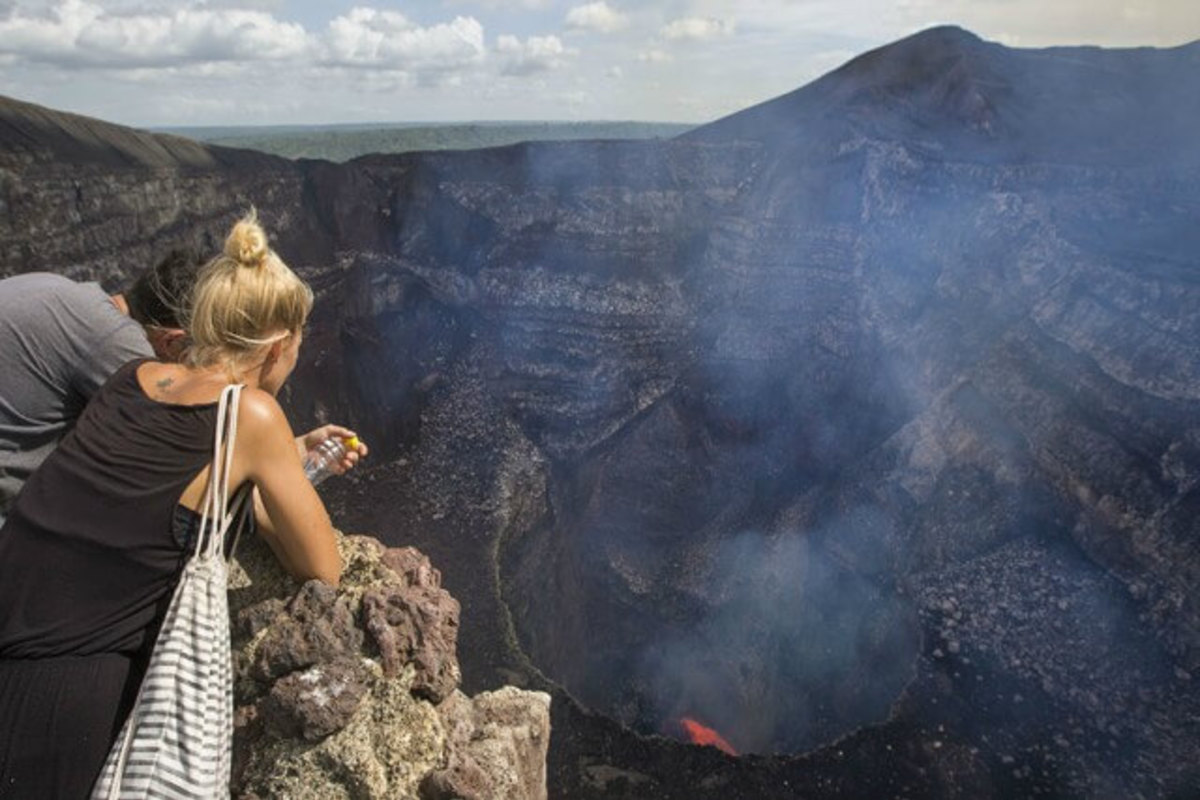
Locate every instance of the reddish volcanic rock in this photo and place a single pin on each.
(315, 702)
(317, 626)
(415, 622)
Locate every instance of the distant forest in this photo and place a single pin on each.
(344, 142)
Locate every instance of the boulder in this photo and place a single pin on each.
(352, 692)
(497, 742)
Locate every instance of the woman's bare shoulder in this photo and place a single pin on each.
(260, 413)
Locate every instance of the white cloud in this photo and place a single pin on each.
(503, 5)
(369, 37)
(535, 54)
(260, 5)
(79, 33)
(616, 73)
(82, 33)
(576, 99)
(600, 17)
(696, 29)
(654, 56)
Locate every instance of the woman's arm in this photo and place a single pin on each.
(266, 531)
(302, 537)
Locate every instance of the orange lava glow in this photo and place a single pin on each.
(702, 734)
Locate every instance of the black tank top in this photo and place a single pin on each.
(91, 553)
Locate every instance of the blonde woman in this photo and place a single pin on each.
(96, 539)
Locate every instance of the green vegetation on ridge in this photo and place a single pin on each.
(344, 142)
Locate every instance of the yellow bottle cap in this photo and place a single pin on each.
(351, 443)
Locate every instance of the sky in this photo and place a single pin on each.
(262, 62)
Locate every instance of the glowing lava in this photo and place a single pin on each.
(701, 734)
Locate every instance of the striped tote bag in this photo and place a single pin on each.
(176, 742)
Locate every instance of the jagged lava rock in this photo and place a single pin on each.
(337, 690)
(495, 740)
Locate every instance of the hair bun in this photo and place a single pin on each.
(247, 242)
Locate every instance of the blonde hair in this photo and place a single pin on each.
(244, 299)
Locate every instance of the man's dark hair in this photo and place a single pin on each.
(159, 296)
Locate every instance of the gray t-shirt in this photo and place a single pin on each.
(59, 342)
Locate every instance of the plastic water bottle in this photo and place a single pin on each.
(319, 462)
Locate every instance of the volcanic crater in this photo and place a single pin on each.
(856, 434)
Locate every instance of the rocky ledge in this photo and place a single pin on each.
(352, 692)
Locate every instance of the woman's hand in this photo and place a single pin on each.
(316, 437)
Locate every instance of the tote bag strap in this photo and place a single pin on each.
(218, 512)
(217, 502)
